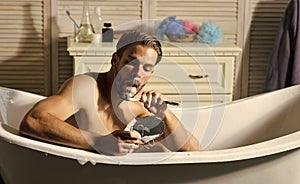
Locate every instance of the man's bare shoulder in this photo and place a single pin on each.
(84, 79)
(78, 82)
(78, 87)
(82, 85)
(68, 99)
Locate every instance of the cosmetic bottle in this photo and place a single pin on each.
(107, 32)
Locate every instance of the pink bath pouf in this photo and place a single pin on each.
(190, 26)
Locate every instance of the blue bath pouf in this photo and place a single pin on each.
(170, 25)
(210, 33)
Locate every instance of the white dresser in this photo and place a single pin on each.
(192, 74)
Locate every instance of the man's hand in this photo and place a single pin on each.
(154, 102)
(118, 142)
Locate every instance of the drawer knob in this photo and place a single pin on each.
(197, 76)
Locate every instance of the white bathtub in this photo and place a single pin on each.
(255, 140)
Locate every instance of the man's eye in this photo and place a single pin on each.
(148, 68)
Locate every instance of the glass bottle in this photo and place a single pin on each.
(86, 31)
(97, 20)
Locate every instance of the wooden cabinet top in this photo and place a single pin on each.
(226, 48)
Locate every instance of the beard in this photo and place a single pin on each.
(131, 88)
(132, 91)
(127, 87)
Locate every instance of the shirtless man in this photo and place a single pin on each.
(90, 111)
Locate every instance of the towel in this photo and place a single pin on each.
(284, 66)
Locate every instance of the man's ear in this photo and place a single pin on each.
(115, 58)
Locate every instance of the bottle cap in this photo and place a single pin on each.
(106, 24)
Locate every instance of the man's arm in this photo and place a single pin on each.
(45, 120)
(176, 137)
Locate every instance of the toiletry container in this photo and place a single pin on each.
(107, 32)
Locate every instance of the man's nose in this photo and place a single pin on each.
(139, 71)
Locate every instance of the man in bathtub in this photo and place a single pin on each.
(91, 111)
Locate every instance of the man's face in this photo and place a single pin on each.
(134, 69)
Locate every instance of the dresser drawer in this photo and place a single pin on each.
(192, 75)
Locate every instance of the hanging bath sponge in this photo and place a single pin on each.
(210, 33)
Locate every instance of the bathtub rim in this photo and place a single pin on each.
(270, 147)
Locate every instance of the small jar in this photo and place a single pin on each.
(107, 32)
